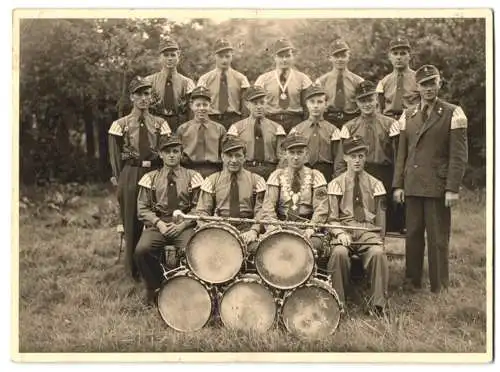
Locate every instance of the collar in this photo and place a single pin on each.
(165, 72)
(204, 123)
(226, 172)
(373, 116)
(404, 72)
(350, 175)
(431, 105)
(311, 121)
(175, 170)
(290, 71)
(345, 71)
(218, 70)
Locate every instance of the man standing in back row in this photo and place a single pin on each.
(285, 87)
(170, 88)
(431, 162)
(226, 85)
(397, 89)
(339, 85)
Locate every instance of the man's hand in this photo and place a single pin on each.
(344, 239)
(450, 198)
(249, 236)
(114, 182)
(399, 196)
(308, 233)
(169, 230)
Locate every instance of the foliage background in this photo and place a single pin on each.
(74, 73)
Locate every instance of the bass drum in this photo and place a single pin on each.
(248, 304)
(215, 252)
(284, 259)
(312, 310)
(184, 302)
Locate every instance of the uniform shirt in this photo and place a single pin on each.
(272, 133)
(329, 82)
(215, 192)
(328, 134)
(297, 82)
(388, 86)
(311, 203)
(187, 183)
(182, 87)
(189, 131)
(124, 137)
(381, 142)
(236, 82)
(340, 195)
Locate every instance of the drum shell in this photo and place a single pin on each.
(165, 311)
(225, 307)
(240, 251)
(313, 282)
(310, 256)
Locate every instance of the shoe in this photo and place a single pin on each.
(151, 296)
(379, 311)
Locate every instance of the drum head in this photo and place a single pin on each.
(214, 255)
(311, 312)
(284, 260)
(248, 306)
(184, 304)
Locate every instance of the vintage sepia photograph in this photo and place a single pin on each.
(282, 183)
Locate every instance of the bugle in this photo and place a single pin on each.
(179, 215)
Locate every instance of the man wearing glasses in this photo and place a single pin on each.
(397, 90)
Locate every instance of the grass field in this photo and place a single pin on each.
(74, 298)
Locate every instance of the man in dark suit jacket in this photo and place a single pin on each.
(430, 165)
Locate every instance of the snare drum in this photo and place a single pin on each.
(184, 302)
(312, 310)
(284, 258)
(248, 304)
(215, 252)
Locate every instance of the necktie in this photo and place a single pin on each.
(339, 102)
(168, 99)
(398, 98)
(425, 113)
(172, 198)
(259, 154)
(296, 181)
(200, 143)
(370, 137)
(357, 203)
(314, 144)
(223, 93)
(234, 197)
(284, 99)
(143, 138)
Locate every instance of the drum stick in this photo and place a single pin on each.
(179, 214)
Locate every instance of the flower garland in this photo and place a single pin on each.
(287, 189)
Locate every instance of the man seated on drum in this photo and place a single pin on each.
(296, 192)
(161, 192)
(234, 192)
(358, 199)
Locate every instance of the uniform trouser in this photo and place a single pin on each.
(262, 169)
(205, 169)
(374, 263)
(395, 213)
(432, 216)
(288, 120)
(149, 252)
(227, 119)
(339, 118)
(326, 169)
(127, 199)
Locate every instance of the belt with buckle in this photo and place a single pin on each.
(394, 114)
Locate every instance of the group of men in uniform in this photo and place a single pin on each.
(286, 148)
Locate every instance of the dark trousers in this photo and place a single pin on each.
(339, 118)
(287, 121)
(227, 119)
(395, 214)
(127, 199)
(262, 169)
(325, 168)
(205, 169)
(427, 215)
(149, 251)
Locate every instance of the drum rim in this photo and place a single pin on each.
(250, 281)
(311, 250)
(290, 293)
(186, 274)
(231, 230)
